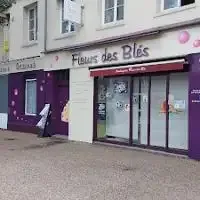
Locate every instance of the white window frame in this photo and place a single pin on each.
(26, 113)
(115, 12)
(62, 20)
(35, 29)
(163, 5)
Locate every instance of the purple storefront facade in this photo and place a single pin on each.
(53, 87)
(194, 107)
(48, 85)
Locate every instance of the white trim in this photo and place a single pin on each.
(141, 65)
(26, 113)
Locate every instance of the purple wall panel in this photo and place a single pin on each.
(17, 120)
(194, 107)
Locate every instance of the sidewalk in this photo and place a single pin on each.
(33, 170)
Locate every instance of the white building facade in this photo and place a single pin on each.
(124, 62)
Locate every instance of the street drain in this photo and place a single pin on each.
(9, 139)
(44, 145)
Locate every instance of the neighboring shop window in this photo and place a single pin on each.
(113, 108)
(31, 97)
(178, 113)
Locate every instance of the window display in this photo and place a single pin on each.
(150, 117)
(178, 117)
(113, 94)
(158, 108)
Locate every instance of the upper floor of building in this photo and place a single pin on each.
(39, 26)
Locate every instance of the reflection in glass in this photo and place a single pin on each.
(158, 111)
(171, 4)
(178, 115)
(140, 109)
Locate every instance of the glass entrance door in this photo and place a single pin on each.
(140, 109)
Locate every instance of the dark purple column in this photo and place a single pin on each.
(194, 107)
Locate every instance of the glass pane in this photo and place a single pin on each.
(109, 4)
(113, 108)
(31, 24)
(140, 110)
(120, 2)
(31, 14)
(65, 27)
(158, 111)
(178, 112)
(109, 16)
(31, 35)
(72, 27)
(31, 97)
(120, 13)
(171, 4)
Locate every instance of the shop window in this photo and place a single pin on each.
(113, 109)
(178, 111)
(113, 11)
(158, 111)
(66, 26)
(31, 97)
(168, 4)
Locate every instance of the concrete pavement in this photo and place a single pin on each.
(32, 168)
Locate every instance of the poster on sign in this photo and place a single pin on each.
(72, 11)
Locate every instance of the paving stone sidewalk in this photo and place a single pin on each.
(54, 169)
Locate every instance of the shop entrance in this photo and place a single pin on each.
(4, 102)
(61, 102)
(134, 110)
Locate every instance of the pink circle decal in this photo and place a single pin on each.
(183, 37)
(13, 103)
(15, 92)
(14, 112)
(48, 74)
(196, 43)
(56, 58)
(41, 88)
(17, 118)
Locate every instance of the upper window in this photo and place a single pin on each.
(32, 23)
(168, 4)
(31, 97)
(113, 11)
(66, 26)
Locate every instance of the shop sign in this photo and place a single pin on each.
(124, 53)
(195, 95)
(19, 66)
(4, 70)
(25, 66)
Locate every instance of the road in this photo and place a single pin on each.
(50, 169)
